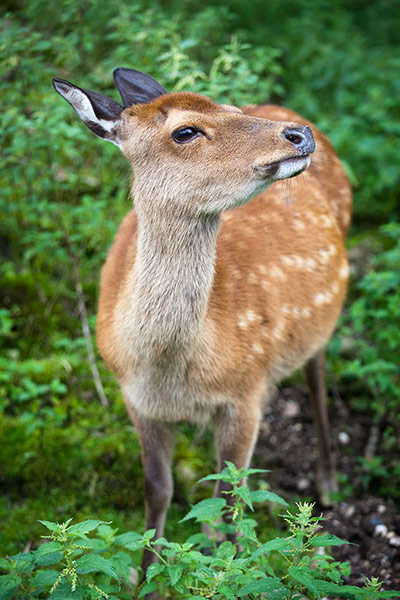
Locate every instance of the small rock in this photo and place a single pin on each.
(303, 484)
(291, 410)
(349, 512)
(381, 508)
(381, 530)
(395, 541)
(344, 438)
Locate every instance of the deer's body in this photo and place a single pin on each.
(270, 281)
(208, 297)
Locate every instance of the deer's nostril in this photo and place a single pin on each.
(301, 138)
(294, 138)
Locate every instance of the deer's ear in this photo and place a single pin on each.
(100, 114)
(136, 87)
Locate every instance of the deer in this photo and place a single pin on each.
(225, 277)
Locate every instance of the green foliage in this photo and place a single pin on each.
(373, 325)
(366, 353)
(75, 565)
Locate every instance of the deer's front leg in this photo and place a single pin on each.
(236, 435)
(157, 443)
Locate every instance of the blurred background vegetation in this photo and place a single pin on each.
(62, 197)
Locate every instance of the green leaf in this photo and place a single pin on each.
(50, 525)
(127, 538)
(212, 477)
(265, 495)
(147, 589)
(47, 548)
(196, 557)
(48, 553)
(226, 592)
(4, 564)
(149, 534)
(64, 592)
(327, 540)
(175, 573)
(44, 578)
(252, 471)
(346, 591)
(86, 526)
(275, 544)
(207, 510)
(260, 586)
(94, 562)
(247, 528)
(303, 576)
(200, 539)
(51, 558)
(8, 584)
(122, 562)
(226, 550)
(244, 493)
(162, 541)
(153, 570)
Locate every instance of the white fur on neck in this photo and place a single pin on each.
(169, 287)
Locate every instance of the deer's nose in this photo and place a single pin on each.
(301, 138)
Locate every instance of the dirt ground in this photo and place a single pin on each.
(287, 446)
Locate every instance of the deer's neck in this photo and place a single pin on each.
(172, 279)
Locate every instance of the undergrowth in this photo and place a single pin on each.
(73, 565)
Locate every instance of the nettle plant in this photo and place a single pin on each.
(70, 565)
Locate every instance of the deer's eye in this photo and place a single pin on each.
(186, 134)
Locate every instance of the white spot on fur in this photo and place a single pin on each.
(335, 287)
(251, 316)
(287, 260)
(326, 221)
(266, 285)
(344, 270)
(325, 254)
(277, 273)
(247, 318)
(322, 298)
(296, 312)
(278, 330)
(309, 264)
(242, 323)
(257, 349)
(299, 225)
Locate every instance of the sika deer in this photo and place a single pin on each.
(210, 295)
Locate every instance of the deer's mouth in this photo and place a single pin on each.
(284, 169)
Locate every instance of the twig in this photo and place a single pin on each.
(86, 333)
(372, 443)
(84, 319)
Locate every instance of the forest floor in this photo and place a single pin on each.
(287, 446)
